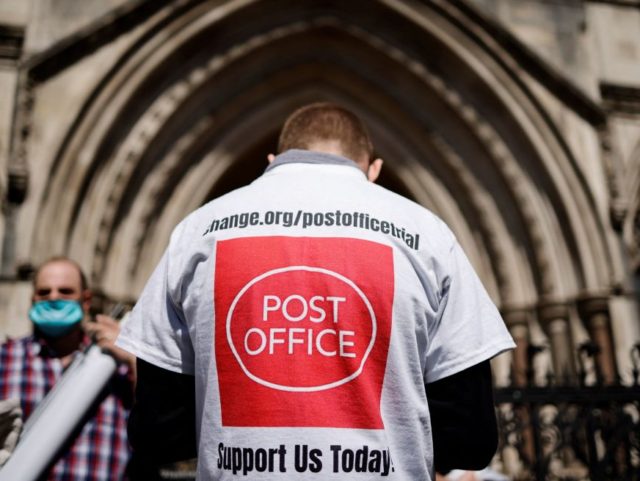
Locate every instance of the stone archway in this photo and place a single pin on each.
(462, 132)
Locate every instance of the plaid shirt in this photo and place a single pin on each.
(100, 451)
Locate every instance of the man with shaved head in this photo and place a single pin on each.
(313, 325)
(31, 366)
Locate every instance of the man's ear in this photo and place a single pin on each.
(86, 300)
(271, 158)
(373, 171)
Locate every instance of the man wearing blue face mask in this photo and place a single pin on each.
(55, 318)
(30, 367)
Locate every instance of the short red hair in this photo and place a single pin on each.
(325, 121)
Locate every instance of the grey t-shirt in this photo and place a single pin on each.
(312, 307)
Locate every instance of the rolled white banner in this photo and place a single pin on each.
(58, 414)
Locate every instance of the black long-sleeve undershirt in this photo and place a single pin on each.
(463, 419)
(162, 423)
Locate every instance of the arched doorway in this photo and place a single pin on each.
(191, 109)
(190, 103)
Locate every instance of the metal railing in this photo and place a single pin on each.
(571, 432)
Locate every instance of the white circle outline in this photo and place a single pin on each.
(322, 387)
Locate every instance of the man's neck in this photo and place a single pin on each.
(334, 147)
(65, 345)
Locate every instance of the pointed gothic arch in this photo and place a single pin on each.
(461, 130)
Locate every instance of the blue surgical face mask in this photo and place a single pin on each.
(57, 317)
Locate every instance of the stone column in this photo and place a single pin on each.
(517, 320)
(594, 312)
(554, 318)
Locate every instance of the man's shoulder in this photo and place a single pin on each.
(409, 207)
(18, 350)
(230, 199)
(391, 196)
(17, 342)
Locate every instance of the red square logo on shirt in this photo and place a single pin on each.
(302, 329)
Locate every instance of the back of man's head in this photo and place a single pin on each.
(326, 127)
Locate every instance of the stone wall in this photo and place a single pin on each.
(517, 121)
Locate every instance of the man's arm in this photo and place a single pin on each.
(162, 422)
(104, 331)
(463, 420)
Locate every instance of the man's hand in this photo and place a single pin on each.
(10, 427)
(104, 332)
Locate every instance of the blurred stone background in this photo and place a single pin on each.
(516, 121)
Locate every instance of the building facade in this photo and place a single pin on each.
(516, 121)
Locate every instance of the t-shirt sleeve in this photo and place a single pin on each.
(156, 330)
(468, 328)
